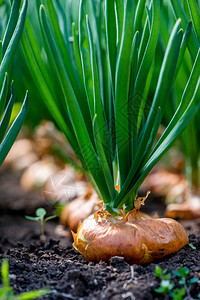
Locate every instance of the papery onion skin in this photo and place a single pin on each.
(77, 211)
(138, 239)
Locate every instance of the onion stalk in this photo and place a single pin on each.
(191, 146)
(8, 48)
(189, 12)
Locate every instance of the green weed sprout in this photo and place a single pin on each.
(95, 83)
(40, 214)
(167, 285)
(6, 291)
(192, 246)
(8, 48)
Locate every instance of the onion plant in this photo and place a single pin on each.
(8, 47)
(22, 77)
(94, 77)
(190, 10)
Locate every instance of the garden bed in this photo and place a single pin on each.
(60, 267)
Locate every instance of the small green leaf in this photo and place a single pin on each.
(50, 218)
(158, 272)
(165, 271)
(5, 273)
(33, 294)
(194, 280)
(177, 273)
(167, 276)
(159, 290)
(177, 294)
(184, 271)
(32, 218)
(192, 246)
(41, 212)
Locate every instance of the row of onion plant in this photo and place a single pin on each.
(94, 76)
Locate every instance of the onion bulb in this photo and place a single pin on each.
(137, 237)
(79, 209)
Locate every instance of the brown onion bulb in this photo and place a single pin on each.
(134, 237)
(188, 210)
(78, 210)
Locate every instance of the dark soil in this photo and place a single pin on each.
(60, 267)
